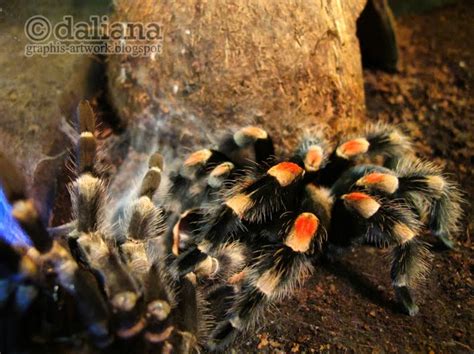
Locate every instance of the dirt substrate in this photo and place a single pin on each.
(349, 306)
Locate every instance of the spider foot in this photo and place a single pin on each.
(444, 241)
(406, 300)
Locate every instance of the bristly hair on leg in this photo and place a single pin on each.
(144, 222)
(411, 263)
(245, 231)
(419, 175)
(446, 214)
(88, 198)
(275, 275)
(388, 141)
(440, 193)
(191, 315)
(48, 253)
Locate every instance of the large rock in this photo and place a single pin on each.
(284, 65)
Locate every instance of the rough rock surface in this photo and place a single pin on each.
(284, 65)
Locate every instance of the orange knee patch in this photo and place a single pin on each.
(382, 181)
(353, 147)
(285, 172)
(248, 135)
(240, 203)
(219, 174)
(356, 196)
(374, 177)
(303, 230)
(254, 132)
(222, 169)
(313, 158)
(198, 157)
(363, 203)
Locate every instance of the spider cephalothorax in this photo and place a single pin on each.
(198, 265)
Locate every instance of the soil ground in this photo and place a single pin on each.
(350, 306)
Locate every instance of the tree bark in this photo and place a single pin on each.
(284, 65)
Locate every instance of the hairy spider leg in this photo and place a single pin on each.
(276, 271)
(91, 242)
(255, 202)
(384, 222)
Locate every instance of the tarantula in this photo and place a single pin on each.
(238, 229)
(320, 200)
(116, 275)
